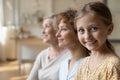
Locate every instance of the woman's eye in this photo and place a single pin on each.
(64, 29)
(93, 28)
(47, 26)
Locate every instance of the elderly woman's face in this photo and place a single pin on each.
(48, 33)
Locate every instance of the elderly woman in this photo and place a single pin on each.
(46, 66)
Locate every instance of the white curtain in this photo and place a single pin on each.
(1, 12)
(7, 43)
(2, 32)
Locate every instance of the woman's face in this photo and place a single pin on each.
(92, 32)
(66, 35)
(48, 33)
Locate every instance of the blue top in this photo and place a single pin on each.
(63, 73)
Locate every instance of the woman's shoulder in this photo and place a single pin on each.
(43, 53)
(66, 61)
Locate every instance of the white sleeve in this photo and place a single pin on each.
(34, 72)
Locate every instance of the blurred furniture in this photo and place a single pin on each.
(28, 49)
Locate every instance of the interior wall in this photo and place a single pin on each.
(29, 9)
(116, 30)
(115, 9)
(61, 5)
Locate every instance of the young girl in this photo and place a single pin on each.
(94, 24)
(67, 38)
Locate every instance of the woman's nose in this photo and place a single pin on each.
(58, 33)
(43, 31)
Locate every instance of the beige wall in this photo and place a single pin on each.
(47, 7)
(61, 5)
(116, 31)
(28, 8)
(115, 9)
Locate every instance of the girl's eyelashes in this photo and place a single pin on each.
(93, 28)
(81, 31)
(90, 29)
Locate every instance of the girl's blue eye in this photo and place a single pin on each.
(81, 31)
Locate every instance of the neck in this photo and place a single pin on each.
(77, 52)
(54, 51)
(103, 51)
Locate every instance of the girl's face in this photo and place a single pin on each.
(66, 35)
(48, 33)
(92, 32)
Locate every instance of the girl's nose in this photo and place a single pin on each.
(87, 35)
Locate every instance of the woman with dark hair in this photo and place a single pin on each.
(94, 24)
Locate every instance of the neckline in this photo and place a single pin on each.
(75, 66)
(63, 52)
(97, 67)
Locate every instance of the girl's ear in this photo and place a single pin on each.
(110, 29)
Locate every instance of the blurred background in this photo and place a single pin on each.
(20, 31)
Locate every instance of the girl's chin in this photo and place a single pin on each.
(90, 48)
(60, 45)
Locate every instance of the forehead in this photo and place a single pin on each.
(89, 19)
(47, 21)
(64, 23)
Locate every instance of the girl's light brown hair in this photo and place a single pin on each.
(99, 9)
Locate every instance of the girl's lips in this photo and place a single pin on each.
(90, 42)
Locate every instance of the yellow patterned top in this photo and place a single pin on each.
(108, 70)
